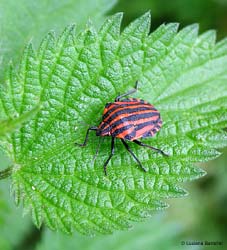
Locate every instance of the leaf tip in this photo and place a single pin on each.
(146, 17)
(200, 173)
(209, 36)
(173, 25)
(118, 15)
(116, 18)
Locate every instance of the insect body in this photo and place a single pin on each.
(128, 119)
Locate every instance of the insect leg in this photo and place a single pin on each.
(111, 154)
(97, 150)
(148, 146)
(128, 93)
(86, 137)
(133, 155)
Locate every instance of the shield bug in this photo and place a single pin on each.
(129, 120)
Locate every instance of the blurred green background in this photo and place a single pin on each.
(201, 216)
(210, 14)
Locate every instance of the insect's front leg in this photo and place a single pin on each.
(86, 137)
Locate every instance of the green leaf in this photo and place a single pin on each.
(10, 125)
(72, 78)
(33, 19)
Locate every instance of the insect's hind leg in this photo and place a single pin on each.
(110, 156)
(128, 93)
(148, 146)
(133, 155)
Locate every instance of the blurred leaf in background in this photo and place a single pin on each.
(13, 226)
(23, 20)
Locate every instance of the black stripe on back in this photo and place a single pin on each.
(117, 106)
(142, 125)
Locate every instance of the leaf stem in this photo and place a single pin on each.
(5, 173)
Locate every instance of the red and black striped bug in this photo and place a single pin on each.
(128, 119)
